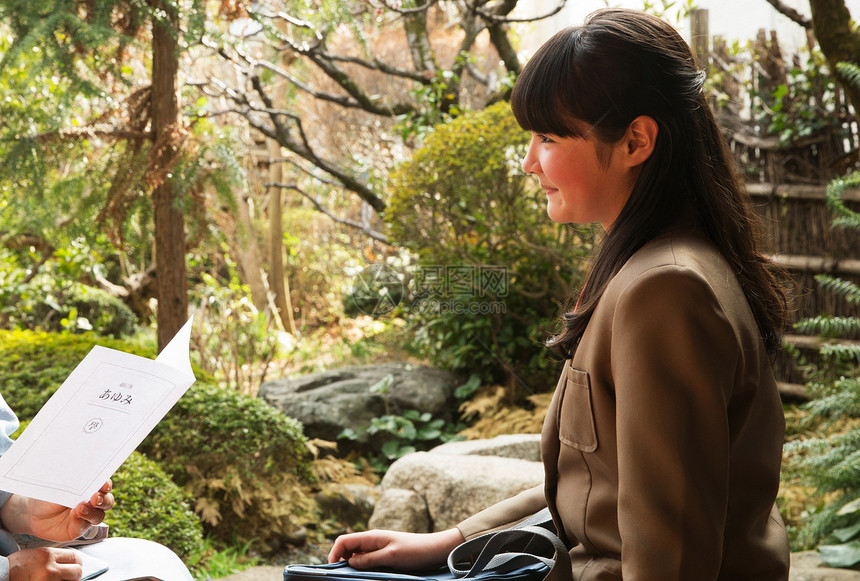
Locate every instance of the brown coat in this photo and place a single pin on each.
(663, 442)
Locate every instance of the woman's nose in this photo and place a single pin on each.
(530, 162)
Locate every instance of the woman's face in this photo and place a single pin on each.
(579, 188)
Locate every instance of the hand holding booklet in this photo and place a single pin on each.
(94, 421)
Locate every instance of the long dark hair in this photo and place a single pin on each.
(618, 65)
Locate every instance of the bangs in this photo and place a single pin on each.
(544, 97)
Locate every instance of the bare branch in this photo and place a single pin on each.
(500, 14)
(791, 14)
(377, 65)
(305, 171)
(477, 75)
(342, 100)
(294, 21)
(282, 135)
(345, 221)
(471, 29)
(502, 43)
(365, 101)
(403, 11)
(362, 99)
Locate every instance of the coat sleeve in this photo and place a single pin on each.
(674, 356)
(8, 425)
(504, 514)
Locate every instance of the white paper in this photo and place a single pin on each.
(91, 566)
(95, 420)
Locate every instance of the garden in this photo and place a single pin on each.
(331, 183)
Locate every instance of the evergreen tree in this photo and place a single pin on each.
(88, 51)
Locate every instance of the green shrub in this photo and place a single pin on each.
(34, 364)
(243, 461)
(492, 267)
(149, 505)
(54, 298)
(78, 308)
(231, 335)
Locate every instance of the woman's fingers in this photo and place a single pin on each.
(44, 564)
(345, 546)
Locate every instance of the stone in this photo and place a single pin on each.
(808, 566)
(350, 504)
(330, 401)
(454, 487)
(399, 509)
(522, 446)
(297, 537)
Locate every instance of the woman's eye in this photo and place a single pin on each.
(544, 138)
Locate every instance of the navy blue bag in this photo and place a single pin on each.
(530, 551)
(343, 572)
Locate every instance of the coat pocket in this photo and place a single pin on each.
(575, 416)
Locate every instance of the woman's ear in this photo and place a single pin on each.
(640, 139)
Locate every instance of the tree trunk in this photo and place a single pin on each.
(277, 276)
(171, 279)
(415, 27)
(249, 256)
(838, 40)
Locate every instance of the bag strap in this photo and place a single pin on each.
(542, 518)
(527, 543)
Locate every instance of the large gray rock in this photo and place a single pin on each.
(330, 401)
(452, 487)
(350, 504)
(399, 509)
(522, 446)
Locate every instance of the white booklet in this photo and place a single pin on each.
(94, 421)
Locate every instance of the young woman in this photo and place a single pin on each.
(663, 443)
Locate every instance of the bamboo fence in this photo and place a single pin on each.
(787, 178)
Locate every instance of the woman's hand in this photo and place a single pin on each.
(54, 522)
(405, 551)
(44, 564)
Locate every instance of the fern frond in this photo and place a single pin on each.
(850, 72)
(833, 464)
(828, 326)
(842, 353)
(846, 222)
(843, 400)
(806, 446)
(845, 217)
(845, 472)
(840, 287)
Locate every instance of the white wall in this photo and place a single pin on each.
(732, 19)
